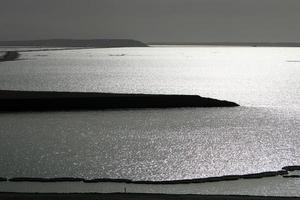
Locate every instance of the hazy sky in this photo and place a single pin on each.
(152, 20)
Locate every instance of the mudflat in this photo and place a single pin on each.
(131, 196)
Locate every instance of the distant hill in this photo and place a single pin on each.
(96, 43)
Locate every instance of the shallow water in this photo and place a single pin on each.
(154, 144)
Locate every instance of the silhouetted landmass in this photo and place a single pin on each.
(95, 43)
(9, 56)
(253, 44)
(48, 101)
(132, 196)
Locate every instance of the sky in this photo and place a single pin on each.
(152, 20)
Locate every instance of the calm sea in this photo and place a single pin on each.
(156, 144)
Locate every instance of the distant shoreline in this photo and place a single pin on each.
(111, 43)
(95, 43)
(55, 101)
(230, 44)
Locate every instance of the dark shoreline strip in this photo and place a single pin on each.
(291, 176)
(133, 196)
(56, 101)
(9, 56)
(3, 179)
(185, 181)
(291, 168)
(45, 180)
(265, 174)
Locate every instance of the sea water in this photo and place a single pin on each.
(156, 144)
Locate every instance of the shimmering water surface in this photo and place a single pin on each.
(156, 144)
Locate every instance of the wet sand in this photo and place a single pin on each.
(132, 196)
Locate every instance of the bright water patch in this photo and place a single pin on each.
(250, 76)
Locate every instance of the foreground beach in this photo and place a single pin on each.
(133, 196)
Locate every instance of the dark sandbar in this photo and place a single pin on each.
(55, 101)
(282, 172)
(133, 196)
